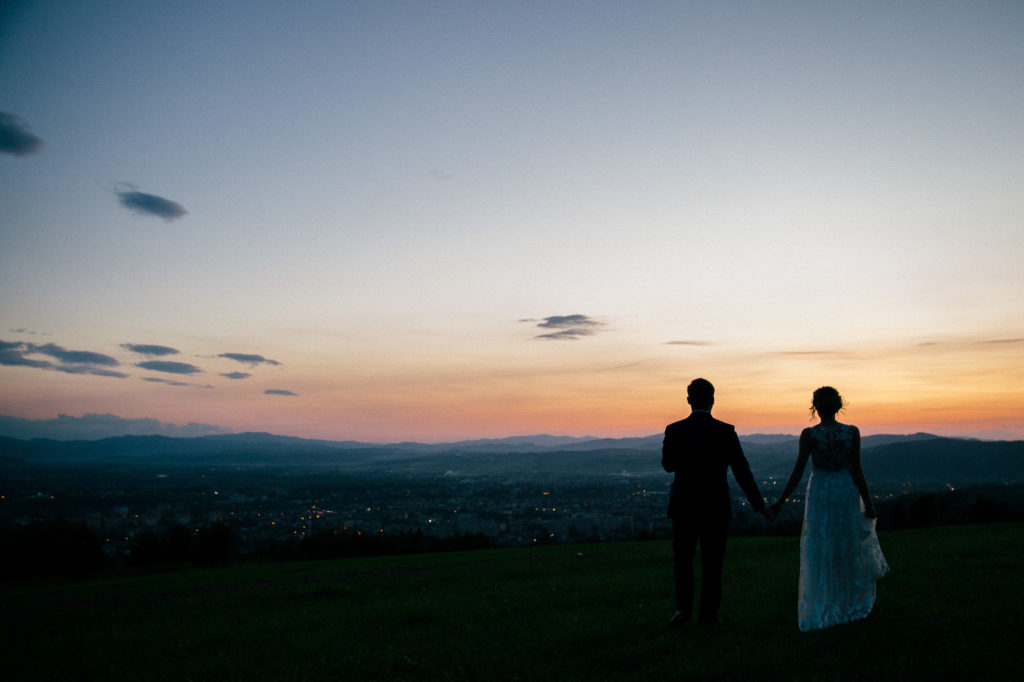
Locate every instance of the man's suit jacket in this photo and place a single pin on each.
(699, 450)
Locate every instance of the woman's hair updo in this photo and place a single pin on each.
(826, 401)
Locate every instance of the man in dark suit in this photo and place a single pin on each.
(699, 450)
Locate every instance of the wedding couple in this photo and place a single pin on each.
(840, 558)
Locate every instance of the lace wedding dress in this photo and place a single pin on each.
(840, 558)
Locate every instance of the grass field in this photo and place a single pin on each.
(949, 609)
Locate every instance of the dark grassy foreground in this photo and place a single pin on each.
(950, 609)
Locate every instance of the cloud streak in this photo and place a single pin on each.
(84, 357)
(236, 375)
(278, 391)
(169, 367)
(567, 327)
(93, 426)
(250, 359)
(158, 380)
(150, 350)
(87, 369)
(16, 138)
(150, 204)
(14, 354)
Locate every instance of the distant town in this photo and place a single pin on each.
(536, 495)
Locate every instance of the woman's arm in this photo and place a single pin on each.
(798, 471)
(858, 477)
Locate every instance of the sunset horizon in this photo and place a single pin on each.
(392, 221)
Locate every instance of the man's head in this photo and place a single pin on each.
(700, 394)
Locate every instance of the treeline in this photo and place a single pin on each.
(66, 549)
(50, 548)
(944, 509)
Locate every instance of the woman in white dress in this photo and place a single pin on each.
(840, 558)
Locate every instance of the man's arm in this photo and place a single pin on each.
(741, 471)
(668, 460)
(798, 470)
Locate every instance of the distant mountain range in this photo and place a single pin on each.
(892, 458)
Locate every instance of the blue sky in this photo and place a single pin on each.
(388, 198)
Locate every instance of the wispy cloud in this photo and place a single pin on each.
(158, 380)
(250, 359)
(16, 138)
(278, 391)
(150, 204)
(150, 350)
(807, 352)
(617, 367)
(89, 369)
(14, 353)
(169, 367)
(94, 426)
(73, 356)
(688, 343)
(236, 375)
(22, 330)
(566, 335)
(567, 327)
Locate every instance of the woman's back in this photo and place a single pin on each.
(832, 446)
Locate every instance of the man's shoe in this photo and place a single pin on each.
(678, 618)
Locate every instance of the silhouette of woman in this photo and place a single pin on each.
(840, 558)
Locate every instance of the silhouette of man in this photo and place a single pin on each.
(699, 450)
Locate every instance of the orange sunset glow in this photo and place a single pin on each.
(435, 223)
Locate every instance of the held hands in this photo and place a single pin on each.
(771, 512)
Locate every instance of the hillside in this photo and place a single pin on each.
(886, 458)
(949, 609)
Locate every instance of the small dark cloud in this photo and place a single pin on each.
(687, 343)
(250, 359)
(236, 375)
(278, 391)
(568, 322)
(83, 357)
(149, 349)
(15, 137)
(150, 204)
(569, 327)
(1004, 341)
(169, 367)
(22, 330)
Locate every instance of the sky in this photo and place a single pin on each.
(434, 221)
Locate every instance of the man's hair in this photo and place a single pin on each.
(700, 393)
